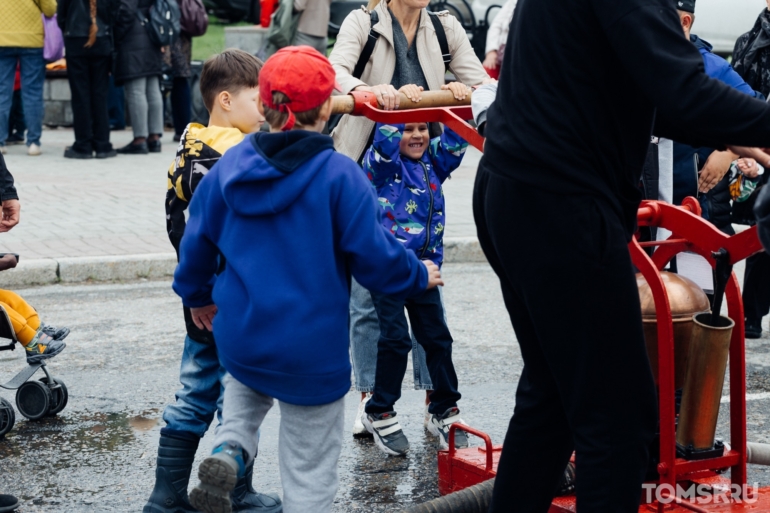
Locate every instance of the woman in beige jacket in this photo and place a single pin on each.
(406, 56)
(352, 134)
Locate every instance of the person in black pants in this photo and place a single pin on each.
(87, 29)
(555, 204)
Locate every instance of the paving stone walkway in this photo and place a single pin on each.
(78, 208)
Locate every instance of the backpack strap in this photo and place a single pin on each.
(366, 53)
(442, 40)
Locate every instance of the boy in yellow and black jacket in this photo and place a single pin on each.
(229, 86)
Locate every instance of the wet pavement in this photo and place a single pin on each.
(121, 368)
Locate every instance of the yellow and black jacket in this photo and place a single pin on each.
(199, 149)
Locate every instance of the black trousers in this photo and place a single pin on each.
(181, 104)
(89, 78)
(426, 314)
(569, 287)
(756, 287)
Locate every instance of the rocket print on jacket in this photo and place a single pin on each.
(409, 191)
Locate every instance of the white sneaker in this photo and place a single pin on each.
(34, 150)
(359, 430)
(3, 150)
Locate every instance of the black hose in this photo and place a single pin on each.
(474, 499)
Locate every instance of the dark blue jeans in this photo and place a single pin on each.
(426, 315)
(32, 80)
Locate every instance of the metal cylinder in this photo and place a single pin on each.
(685, 299)
(709, 348)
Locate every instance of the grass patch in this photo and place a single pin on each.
(213, 41)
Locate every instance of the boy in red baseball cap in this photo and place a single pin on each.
(293, 220)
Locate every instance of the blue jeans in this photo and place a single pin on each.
(364, 335)
(201, 395)
(32, 80)
(426, 315)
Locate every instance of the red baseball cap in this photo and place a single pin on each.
(302, 74)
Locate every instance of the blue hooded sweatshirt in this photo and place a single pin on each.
(293, 219)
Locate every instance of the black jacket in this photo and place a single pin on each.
(578, 122)
(7, 189)
(718, 205)
(74, 19)
(137, 56)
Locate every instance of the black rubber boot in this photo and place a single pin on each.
(247, 500)
(176, 452)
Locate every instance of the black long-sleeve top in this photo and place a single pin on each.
(7, 189)
(581, 81)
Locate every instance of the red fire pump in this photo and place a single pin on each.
(684, 458)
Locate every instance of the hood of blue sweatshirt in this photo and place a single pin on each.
(268, 180)
(294, 220)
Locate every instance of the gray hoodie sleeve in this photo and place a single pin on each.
(481, 99)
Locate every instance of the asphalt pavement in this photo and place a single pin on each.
(121, 367)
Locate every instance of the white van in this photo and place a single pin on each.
(721, 22)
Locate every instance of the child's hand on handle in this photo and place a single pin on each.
(460, 91)
(412, 91)
(434, 274)
(203, 317)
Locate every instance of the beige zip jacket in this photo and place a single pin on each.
(352, 133)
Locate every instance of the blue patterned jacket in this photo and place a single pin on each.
(409, 191)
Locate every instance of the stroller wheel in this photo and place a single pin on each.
(59, 395)
(7, 417)
(33, 399)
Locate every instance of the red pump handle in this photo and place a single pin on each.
(480, 434)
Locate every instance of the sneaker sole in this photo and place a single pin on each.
(218, 479)
(210, 499)
(32, 360)
(361, 432)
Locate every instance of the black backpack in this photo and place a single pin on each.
(162, 22)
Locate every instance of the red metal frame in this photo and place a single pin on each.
(703, 238)
(461, 468)
(454, 117)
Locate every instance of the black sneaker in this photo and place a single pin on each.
(753, 328)
(153, 145)
(387, 432)
(106, 154)
(70, 153)
(134, 149)
(8, 503)
(42, 348)
(438, 426)
(15, 139)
